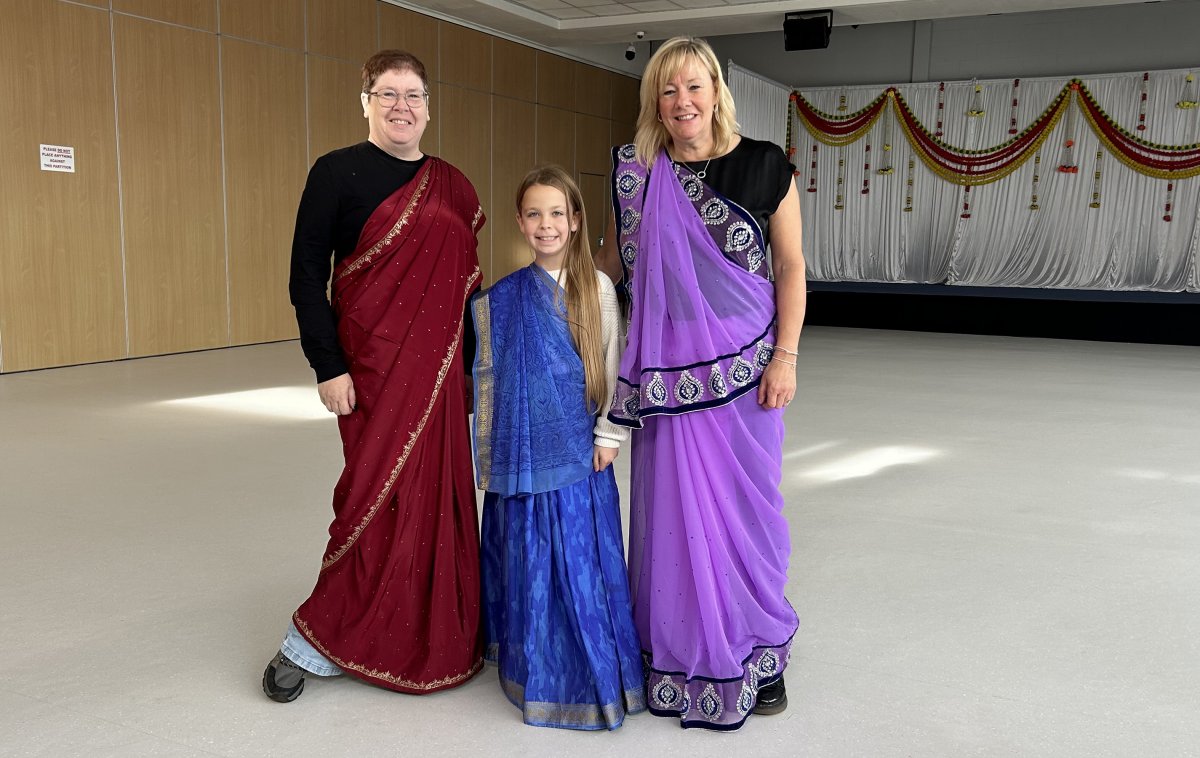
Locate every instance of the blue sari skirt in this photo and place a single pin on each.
(557, 611)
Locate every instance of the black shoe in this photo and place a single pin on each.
(772, 699)
(283, 681)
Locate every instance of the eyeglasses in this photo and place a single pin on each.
(388, 98)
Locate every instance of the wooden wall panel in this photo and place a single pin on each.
(61, 298)
(625, 104)
(97, 3)
(593, 154)
(335, 114)
(556, 81)
(276, 22)
(197, 14)
(622, 133)
(431, 141)
(406, 30)
(593, 91)
(468, 59)
(171, 181)
(556, 137)
(512, 157)
(266, 162)
(594, 188)
(345, 29)
(467, 144)
(514, 70)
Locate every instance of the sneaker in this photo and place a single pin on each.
(772, 699)
(283, 681)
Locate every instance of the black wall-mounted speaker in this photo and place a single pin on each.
(807, 31)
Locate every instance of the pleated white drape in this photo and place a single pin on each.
(762, 105)
(1124, 244)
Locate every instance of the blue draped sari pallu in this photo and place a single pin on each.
(557, 610)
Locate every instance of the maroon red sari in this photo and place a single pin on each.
(397, 599)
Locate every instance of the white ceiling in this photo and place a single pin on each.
(591, 22)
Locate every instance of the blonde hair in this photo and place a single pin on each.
(652, 136)
(582, 295)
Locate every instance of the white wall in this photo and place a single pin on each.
(1142, 36)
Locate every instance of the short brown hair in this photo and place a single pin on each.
(392, 60)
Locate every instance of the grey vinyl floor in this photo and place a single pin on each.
(996, 552)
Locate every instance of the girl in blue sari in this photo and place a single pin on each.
(557, 610)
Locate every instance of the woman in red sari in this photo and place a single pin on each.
(397, 599)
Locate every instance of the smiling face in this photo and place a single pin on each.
(685, 105)
(547, 223)
(397, 129)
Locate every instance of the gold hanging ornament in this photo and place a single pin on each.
(889, 125)
(1187, 100)
(976, 109)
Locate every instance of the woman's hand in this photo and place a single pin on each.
(337, 395)
(778, 385)
(603, 456)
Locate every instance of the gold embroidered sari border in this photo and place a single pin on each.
(483, 372)
(413, 436)
(385, 676)
(366, 257)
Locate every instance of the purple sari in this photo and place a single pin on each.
(709, 545)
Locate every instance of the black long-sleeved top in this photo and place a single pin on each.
(344, 188)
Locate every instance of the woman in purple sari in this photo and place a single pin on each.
(709, 366)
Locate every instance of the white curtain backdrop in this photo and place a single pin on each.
(1125, 244)
(762, 105)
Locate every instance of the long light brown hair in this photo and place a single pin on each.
(579, 276)
(667, 61)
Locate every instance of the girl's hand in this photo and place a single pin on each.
(602, 456)
(778, 385)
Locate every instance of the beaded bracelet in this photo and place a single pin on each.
(789, 352)
(786, 363)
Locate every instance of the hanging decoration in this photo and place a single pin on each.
(840, 203)
(1096, 182)
(1141, 124)
(941, 106)
(975, 110)
(964, 166)
(866, 188)
(966, 211)
(889, 122)
(912, 164)
(842, 107)
(1066, 163)
(791, 142)
(1037, 174)
(1012, 118)
(1187, 100)
(812, 172)
(1170, 202)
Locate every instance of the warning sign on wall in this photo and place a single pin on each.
(58, 158)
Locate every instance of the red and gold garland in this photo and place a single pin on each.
(975, 167)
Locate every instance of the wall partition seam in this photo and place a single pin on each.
(112, 41)
(224, 180)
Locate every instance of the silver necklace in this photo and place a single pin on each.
(704, 171)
